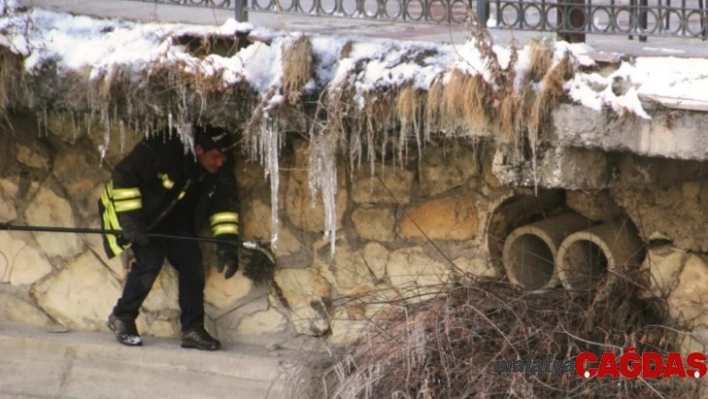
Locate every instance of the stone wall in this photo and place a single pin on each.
(403, 232)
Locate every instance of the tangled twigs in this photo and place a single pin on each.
(447, 348)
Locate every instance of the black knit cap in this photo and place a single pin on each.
(213, 137)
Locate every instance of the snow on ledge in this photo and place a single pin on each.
(79, 42)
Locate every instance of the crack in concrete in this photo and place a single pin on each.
(68, 366)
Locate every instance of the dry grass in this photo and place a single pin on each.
(433, 101)
(466, 101)
(446, 348)
(551, 93)
(409, 108)
(297, 68)
(11, 77)
(541, 59)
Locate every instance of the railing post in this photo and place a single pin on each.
(241, 10)
(482, 12)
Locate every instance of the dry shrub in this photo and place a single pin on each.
(446, 348)
(433, 105)
(510, 110)
(541, 58)
(466, 100)
(551, 93)
(410, 107)
(379, 110)
(297, 68)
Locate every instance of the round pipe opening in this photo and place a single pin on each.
(584, 264)
(529, 261)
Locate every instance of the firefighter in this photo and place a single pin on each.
(157, 188)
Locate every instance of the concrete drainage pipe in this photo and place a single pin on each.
(587, 256)
(529, 251)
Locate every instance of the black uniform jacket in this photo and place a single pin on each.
(162, 183)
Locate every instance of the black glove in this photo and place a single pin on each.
(134, 229)
(227, 255)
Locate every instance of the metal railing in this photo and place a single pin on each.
(608, 17)
(572, 18)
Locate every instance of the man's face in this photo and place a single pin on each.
(211, 160)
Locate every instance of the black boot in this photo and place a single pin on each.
(125, 330)
(197, 337)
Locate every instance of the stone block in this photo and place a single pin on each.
(32, 158)
(388, 185)
(266, 321)
(121, 139)
(223, 293)
(162, 328)
(375, 223)
(347, 269)
(17, 310)
(78, 171)
(9, 186)
(8, 209)
(446, 166)
(663, 265)
(48, 209)
(95, 242)
(688, 301)
(21, 263)
(306, 295)
(453, 218)
(476, 268)
(376, 258)
(257, 223)
(67, 126)
(594, 205)
(415, 275)
(305, 212)
(346, 331)
(82, 295)
(378, 303)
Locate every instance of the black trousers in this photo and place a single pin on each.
(186, 258)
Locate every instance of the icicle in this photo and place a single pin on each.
(46, 132)
(106, 135)
(39, 125)
(268, 148)
(122, 137)
(169, 123)
(89, 121)
(322, 176)
(73, 124)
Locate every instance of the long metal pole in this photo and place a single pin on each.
(84, 230)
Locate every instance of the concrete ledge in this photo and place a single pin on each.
(675, 135)
(37, 363)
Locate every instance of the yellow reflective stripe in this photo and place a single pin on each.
(226, 228)
(166, 182)
(128, 205)
(224, 217)
(110, 222)
(125, 193)
(111, 239)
